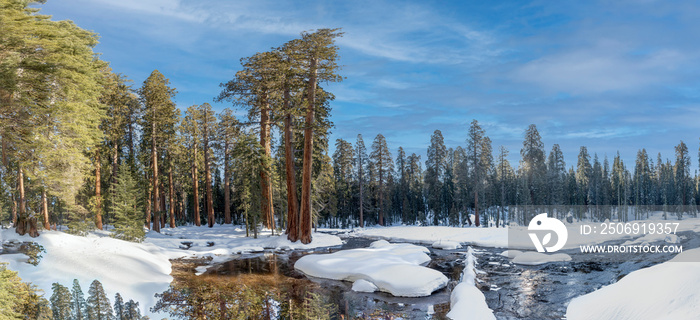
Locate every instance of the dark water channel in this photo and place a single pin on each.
(512, 291)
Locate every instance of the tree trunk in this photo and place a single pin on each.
(292, 206)
(265, 184)
(14, 210)
(45, 210)
(381, 194)
(148, 207)
(154, 157)
(98, 192)
(195, 180)
(21, 228)
(207, 177)
(476, 208)
(227, 187)
(171, 196)
(4, 151)
(362, 221)
(305, 223)
(162, 206)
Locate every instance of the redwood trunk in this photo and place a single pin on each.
(292, 206)
(265, 185)
(171, 197)
(148, 207)
(45, 210)
(305, 223)
(98, 193)
(22, 219)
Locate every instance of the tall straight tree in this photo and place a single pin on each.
(228, 131)
(361, 164)
(160, 117)
(321, 54)
(254, 88)
(383, 167)
(207, 122)
(435, 167)
(478, 157)
(532, 165)
(191, 132)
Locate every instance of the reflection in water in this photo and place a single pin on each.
(267, 287)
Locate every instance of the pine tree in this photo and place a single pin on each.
(361, 164)
(532, 166)
(98, 305)
(682, 177)
(435, 167)
(191, 132)
(343, 169)
(128, 215)
(158, 122)
(228, 132)
(78, 304)
(382, 166)
(480, 162)
(556, 173)
(60, 302)
(131, 310)
(321, 54)
(119, 308)
(207, 123)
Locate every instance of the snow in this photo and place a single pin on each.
(466, 300)
(393, 268)
(137, 270)
(362, 285)
(532, 258)
(665, 291)
(446, 245)
(654, 237)
(485, 237)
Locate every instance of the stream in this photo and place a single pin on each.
(277, 290)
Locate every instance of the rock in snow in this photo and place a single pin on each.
(393, 268)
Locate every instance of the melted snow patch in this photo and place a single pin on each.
(362, 285)
(392, 268)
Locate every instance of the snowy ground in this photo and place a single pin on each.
(136, 270)
(670, 290)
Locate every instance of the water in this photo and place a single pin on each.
(267, 285)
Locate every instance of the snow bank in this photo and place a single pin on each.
(467, 301)
(654, 237)
(393, 268)
(665, 291)
(532, 258)
(485, 237)
(446, 245)
(137, 270)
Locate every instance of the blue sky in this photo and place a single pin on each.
(610, 75)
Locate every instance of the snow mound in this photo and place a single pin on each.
(392, 268)
(665, 291)
(510, 254)
(446, 245)
(532, 258)
(362, 285)
(466, 300)
(654, 237)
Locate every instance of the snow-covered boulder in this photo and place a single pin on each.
(393, 268)
(446, 245)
